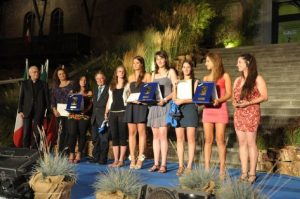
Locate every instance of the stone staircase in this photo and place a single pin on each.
(279, 64)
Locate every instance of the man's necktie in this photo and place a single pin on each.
(100, 89)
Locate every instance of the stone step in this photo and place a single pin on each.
(276, 111)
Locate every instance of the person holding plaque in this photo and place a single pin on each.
(115, 111)
(100, 139)
(249, 90)
(166, 77)
(33, 103)
(79, 121)
(62, 86)
(216, 116)
(136, 113)
(189, 119)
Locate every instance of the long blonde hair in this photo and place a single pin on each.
(218, 69)
(114, 80)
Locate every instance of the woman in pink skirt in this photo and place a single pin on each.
(216, 116)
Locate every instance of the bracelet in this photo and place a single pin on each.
(165, 100)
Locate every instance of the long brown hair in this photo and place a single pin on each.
(55, 78)
(181, 75)
(252, 75)
(114, 80)
(142, 71)
(218, 69)
(162, 54)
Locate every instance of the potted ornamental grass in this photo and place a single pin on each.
(117, 183)
(53, 176)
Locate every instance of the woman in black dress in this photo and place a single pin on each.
(136, 113)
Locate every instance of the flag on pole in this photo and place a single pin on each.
(18, 131)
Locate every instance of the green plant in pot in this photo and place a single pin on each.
(199, 179)
(53, 176)
(117, 183)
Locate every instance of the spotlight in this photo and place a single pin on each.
(154, 192)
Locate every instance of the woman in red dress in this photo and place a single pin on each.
(215, 118)
(249, 90)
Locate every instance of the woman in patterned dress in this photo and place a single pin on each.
(249, 90)
(215, 117)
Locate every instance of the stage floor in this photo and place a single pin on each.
(275, 185)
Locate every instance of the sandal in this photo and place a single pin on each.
(162, 169)
(132, 162)
(114, 164)
(244, 177)
(140, 161)
(120, 164)
(180, 171)
(251, 178)
(154, 168)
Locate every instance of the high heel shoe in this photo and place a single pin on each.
(162, 169)
(180, 171)
(251, 178)
(132, 162)
(244, 177)
(140, 161)
(154, 168)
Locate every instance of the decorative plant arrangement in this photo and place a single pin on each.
(53, 176)
(117, 184)
(234, 189)
(200, 180)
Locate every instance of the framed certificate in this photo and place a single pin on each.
(206, 93)
(184, 89)
(133, 97)
(75, 103)
(61, 108)
(150, 93)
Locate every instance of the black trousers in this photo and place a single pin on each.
(62, 133)
(101, 145)
(77, 130)
(118, 128)
(28, 139)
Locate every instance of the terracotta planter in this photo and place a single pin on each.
(50, 187)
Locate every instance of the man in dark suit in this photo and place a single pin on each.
(34, 100)
(100, 140)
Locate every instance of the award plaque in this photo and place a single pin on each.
(150, 93)
(133, 97)
(75, 103)
(184, 89)
(205, 93)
